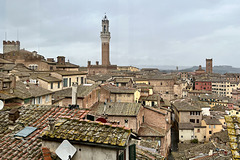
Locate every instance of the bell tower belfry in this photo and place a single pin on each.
(105, 38)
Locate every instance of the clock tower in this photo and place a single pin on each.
(105, 38)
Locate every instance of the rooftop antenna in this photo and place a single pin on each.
(5, 36)
(17, 35)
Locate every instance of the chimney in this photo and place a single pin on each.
(158, 100)
(74, 93)
(97, 63)
(51, 124)
(89, 63)
(13, 114)
(13, 83)
(104, 108)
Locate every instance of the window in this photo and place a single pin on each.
(51, 85)
(65, 82)
(33, 101)
(58, 84)
(132, 152)
(214, 126)
(181, 136)
(209, 126)
(81, 80)
(210, 132)
(77, 80)
(192, 120)
(47, 98)
(204, 136)
(198, 130)
(152, 103)
(126, 122)
(70, 82)
(197, 120)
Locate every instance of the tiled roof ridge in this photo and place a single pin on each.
(98, 122)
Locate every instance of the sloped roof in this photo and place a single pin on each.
(212, 121)
(8, 67)
(67, 65)
(233, 123)
(49, 78)
(115, 89)
(183, 105)
(33, 116)
(90, 132)
(147, 130)
(24, 91)
(4, 61)
(82, 91)
(122, 80)
(100, 77)
(118, 109)
(68, 73)
(153, 97)
(186, 126)
(4, 95)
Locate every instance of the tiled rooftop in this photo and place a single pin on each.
(82, 91)
(184, 105)
(233, 125)
(114, 89)
(117, 108)
(18, 148)
(89, 131)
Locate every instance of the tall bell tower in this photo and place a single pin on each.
(105, 38)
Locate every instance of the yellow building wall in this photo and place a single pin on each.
(140, 81)
(212, 128)
(234, 112)
(137, 95)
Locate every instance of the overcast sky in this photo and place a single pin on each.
(143, 32)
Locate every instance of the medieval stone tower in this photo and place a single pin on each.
(9, 46)
(105, 38)
(208, 65)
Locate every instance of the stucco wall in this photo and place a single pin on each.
(185, 135)
(86, 152)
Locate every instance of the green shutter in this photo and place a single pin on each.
(132, 152)
(121, 156)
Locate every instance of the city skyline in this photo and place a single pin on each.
(147, 33)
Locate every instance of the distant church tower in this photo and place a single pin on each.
(105, 38)
(208, 65)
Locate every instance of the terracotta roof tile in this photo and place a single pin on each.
(88, 131)
(35, 116)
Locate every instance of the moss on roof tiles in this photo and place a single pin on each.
(92, 132)
(233, 126)
(24, 91)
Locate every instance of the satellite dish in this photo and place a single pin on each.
(1, 104)
(65, 150)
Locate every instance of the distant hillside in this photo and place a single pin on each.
(216, 69)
